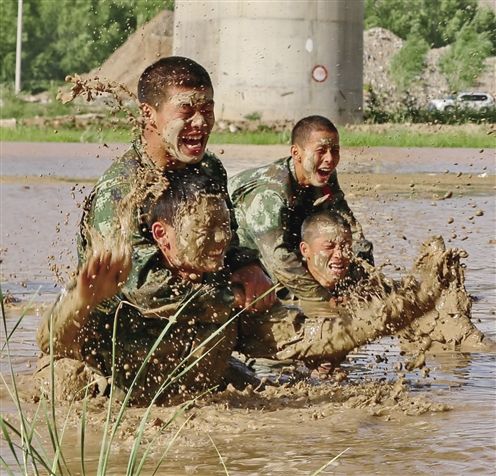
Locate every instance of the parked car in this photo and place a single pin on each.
(477, 101)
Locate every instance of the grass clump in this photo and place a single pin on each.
(25, 440)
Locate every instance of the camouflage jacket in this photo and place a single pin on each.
(270, 208)
(104, 208)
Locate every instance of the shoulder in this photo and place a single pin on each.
(122, 171)
(274, 177)
(212, 165)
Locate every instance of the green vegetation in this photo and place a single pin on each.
(407, 136)
(44, 134)
(63, 37)
(437, 22)
(407, 65)
(424, 24)
(396, 136)
(464, 61)
(18, 107)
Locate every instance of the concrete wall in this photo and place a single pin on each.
(261, 55)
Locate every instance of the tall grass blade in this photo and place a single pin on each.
(169, 446)
(83, 431)
(183, 408)
(27, 452)
(330, 462)
(6, 437)
(6, 467)
(23, 314)
(220, 456)
(105, 452)
(36, 454)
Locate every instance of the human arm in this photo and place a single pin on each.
(100, 278)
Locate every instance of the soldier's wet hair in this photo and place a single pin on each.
(184, 188)
(304, 127)
(311, 225)
(168, 72)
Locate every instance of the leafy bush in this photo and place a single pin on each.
(407, 65)
(464, 61)
(437, 22)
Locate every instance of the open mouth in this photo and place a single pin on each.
(216, 254)
(338, 268)
(193, 144)
(324, 173)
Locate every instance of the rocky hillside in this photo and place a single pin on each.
(379, 47)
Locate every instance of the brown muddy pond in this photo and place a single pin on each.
(42, 185)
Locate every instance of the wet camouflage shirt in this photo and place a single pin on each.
(103, 206)
(270, 208)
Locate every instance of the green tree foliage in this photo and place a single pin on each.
(66, 36)
(464, 61)
(407, 65)
(436, 21)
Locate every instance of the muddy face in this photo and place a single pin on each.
(317, 158)
(328, 254)
(185, 121)
(200, 235)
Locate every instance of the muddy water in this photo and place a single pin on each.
(295, 434)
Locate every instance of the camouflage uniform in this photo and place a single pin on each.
(138, 329)
(102, 210)
(150, 286)
(270, 208)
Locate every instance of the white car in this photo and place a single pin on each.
(476, 101)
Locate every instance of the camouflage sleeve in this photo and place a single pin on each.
(361, 246)
(103, 213)
(265, 217)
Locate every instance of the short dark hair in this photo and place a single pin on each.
(170, 71)
(304, 127)
(184, 188)
(311, 223)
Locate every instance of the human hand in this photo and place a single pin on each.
(254, 282)
(102, 276)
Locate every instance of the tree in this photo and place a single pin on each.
(68, 36)
(464, 61)
(436, 21)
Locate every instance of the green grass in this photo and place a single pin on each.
(402, 136)
(398, 136)
(41, 134)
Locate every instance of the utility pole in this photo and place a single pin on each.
(17, 87)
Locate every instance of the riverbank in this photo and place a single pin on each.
(365, 135)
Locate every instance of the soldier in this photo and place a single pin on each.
(184, 294)
(271, 203)
(362, 306)
(176, 98)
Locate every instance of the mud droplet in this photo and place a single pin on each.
(479, 213)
